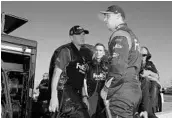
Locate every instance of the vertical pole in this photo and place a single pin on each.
(2, 22)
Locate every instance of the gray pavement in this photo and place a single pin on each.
(167, 105)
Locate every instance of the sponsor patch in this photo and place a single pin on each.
(80, 28)
(58, 60)
(118, 46)
(81, 68)
(115, 54)
(100, 76)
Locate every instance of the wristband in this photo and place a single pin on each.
(84, 96)
(106, 88)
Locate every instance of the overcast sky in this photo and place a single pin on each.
(49, 24)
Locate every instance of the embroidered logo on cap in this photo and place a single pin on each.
(79, 28)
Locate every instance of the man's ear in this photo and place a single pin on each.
(119, 15)
(71, 37)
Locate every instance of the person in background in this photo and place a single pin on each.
(67, 72)
(150, 85)
(43, 87)
(96, 76)
(39, 104)
(122, 92)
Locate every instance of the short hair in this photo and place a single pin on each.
(148, 53)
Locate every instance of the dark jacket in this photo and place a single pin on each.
(125, 56)
(151, 100)
(97, 74)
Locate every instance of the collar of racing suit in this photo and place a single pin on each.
(120, 25)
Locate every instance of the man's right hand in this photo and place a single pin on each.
(144, 114)
(54, 104)
(103, 93)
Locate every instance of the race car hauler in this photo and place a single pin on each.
(18, 60)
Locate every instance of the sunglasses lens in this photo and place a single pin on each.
(144, 55)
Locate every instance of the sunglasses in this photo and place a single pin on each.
(144, 55)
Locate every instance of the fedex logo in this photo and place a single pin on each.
(100, 76)
(81, 67)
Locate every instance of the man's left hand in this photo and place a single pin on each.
(104, 91)
(85, 100)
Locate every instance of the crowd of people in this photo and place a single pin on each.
(91, 83)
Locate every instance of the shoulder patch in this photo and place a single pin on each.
(66, 50)
(115, 55)
(125, 34)
(118, 46)
(58, 60)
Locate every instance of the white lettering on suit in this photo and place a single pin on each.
(81, 68)
(100, 76)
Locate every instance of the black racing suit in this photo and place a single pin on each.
(124, 92)
(69, 59)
